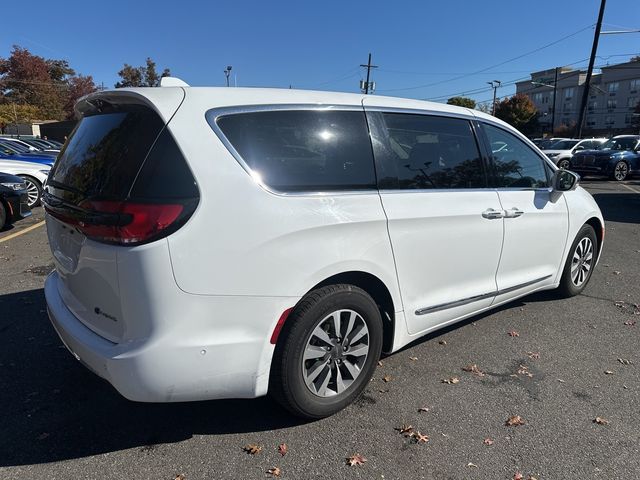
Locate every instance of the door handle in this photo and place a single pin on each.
(513, 213)
(492, 214)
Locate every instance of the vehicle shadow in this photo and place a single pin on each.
(54, 409)
(619, 207)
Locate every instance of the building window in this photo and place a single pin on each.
(611, 104)
(632, 102)
(627, 118)
(568, 93)
(634, 85)
(613, 87)
(537, 97)
(609, 120)
(591, 122)
(592, 106)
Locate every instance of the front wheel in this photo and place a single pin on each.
(580, 262)
(328, 351)
(34, 190)
(564, 164)
(620, 171)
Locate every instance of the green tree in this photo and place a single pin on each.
(520, 112)
(462, 102)
(11, 113)
(145, 76)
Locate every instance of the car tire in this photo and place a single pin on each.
(620, 171)
(564, 164)
(331, 377)
(580, 262)
(3, 216)
(34, 190)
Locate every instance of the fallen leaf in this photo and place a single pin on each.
(180, 476)
(487, 441)
(386, 378)
(413, 359)
(252, 449)
(356, 459)
(518, 476)
(560, 380)
(624, 361)
(473, 369)
(442, 342)
(423, 409)
(383, 390)
(283, 449)
(420, 438)
(533, 355)
(275, 471)
(514, 421)
(630, 323)
(406, 430)
(472, 465)
(608, 372)
(380, 363)
(451, 381)
(513, 333)
(601, 421)
(524, 370)
(616, 272)
(42, 436)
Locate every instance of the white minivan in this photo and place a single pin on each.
(230, 242)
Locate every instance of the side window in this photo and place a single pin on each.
(304, 150)
(516, 164)
(426, 152)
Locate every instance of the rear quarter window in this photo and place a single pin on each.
(303, 150)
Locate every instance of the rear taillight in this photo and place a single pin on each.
(127, 222)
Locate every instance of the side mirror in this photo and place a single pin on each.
(579, 147)
(565, 180)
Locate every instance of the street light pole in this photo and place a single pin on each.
(227, 72)
(494, 84)
(553, 106)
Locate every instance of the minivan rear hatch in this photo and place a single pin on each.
(119, 182)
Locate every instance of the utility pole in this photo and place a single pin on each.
(587, 82)
(553, 107)
(227, 72)
(367, 85)
(494, 84)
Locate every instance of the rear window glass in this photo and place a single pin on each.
(306, 150)
(105, 151)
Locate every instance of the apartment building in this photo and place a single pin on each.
(613, 96)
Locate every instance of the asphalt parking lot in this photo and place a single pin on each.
(571, 362)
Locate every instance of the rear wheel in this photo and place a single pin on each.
(564, 163)
(327, 352)
(34, 190)
(580, 262)
(620, 171)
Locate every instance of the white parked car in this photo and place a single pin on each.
(562, 151)
(229, 242)
(33, 174)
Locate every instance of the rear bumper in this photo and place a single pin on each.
(185, 364)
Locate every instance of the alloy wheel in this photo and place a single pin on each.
(563, 164)
(582, 261)
(33, 192)
(335, 353)
(620, 172)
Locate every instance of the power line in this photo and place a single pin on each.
(493, 66)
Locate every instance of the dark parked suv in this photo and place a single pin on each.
(617, 158)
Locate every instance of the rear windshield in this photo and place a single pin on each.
(105, 152)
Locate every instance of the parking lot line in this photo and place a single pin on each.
(17, 234)
(630, 188)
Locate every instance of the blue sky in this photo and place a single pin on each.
(425, 49)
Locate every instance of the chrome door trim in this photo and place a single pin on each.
(475, 298)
